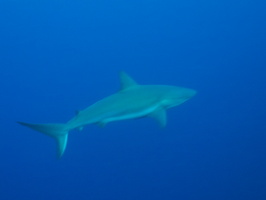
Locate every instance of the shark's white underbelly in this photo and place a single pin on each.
(130, 115)
(108, 114)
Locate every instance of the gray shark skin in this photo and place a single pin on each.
(131, 101)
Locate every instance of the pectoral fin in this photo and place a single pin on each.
(160, 115)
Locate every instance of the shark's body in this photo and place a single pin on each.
(132, 101)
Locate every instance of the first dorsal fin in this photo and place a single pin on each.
(126, 81)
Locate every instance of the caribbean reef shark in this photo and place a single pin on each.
(131, 101)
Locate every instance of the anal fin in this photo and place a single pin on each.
(101, 124)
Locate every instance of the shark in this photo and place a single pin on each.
(130, 102)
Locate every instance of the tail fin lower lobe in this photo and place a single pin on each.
(57, 131)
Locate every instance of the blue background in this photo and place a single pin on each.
(60, 56)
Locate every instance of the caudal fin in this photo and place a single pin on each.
(57, 131)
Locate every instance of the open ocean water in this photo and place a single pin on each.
(60, 56)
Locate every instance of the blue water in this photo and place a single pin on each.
(60, 56)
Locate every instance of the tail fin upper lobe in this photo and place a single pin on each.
(57, 131)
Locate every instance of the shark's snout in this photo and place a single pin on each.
(191, 93)
(187, 94)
